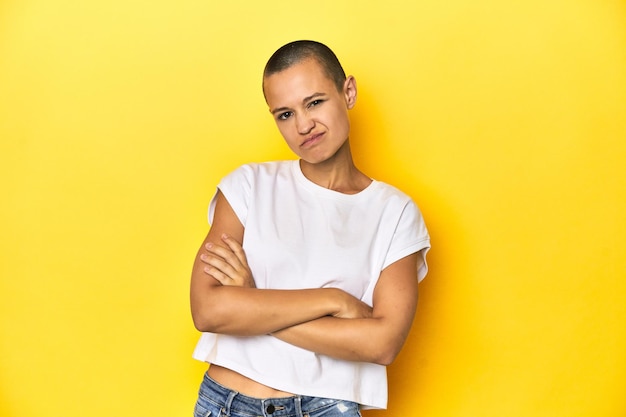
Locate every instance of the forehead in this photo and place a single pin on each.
(297, 82)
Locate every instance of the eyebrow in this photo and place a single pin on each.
(304, 100)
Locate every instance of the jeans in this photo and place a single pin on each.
(216, 400)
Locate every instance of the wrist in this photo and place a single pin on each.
(337, 301)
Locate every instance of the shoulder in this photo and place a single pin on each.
(396, 204)
(262, 169)
(387, 194)
(255, 172)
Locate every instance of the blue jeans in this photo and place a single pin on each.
(216, 400)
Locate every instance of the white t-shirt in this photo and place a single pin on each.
(300, 235)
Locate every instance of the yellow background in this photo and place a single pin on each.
(506, 121)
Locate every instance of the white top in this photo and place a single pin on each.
(300, 235)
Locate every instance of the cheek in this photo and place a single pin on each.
(283, 128)
(342, 122)
(287, 132)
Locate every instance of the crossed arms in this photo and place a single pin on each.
(328, 321)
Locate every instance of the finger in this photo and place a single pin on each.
(236, 248)
(215, 262)
(218, 275)
(225, 253)
(228, 262)
(209, 253)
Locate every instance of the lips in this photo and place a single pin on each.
(311, 140)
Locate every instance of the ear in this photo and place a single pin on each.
(349, 91)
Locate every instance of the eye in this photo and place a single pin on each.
(315, 103)
(284, 116)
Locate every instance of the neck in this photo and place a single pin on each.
(338, 173)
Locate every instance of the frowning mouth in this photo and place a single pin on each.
(312, 140)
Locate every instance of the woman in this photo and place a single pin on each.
(305, 287)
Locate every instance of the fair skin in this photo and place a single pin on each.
(312, 116)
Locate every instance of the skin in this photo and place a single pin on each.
(312, 116)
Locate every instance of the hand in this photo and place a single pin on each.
(353, 308)
(229, 264)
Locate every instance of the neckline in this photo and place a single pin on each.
(325, 192)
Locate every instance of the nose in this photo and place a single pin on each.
(304, 123)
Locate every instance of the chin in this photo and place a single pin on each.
(314, 160)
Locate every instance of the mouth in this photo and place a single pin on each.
(311, 140)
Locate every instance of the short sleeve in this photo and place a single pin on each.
(236, 188)
(410, 236)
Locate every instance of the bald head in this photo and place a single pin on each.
(297, 51)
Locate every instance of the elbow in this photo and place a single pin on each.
(214, 320)
(387, 352)
(205, 321)
(385, 361)
(202, 323)
(386, 357)
(207, 315)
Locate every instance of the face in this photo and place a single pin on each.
(310, 113)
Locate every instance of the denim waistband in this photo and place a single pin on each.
(232, 401)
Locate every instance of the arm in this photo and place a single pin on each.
(377, 339)
(237, 310)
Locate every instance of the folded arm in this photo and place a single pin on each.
(377, 339)
(220, 305)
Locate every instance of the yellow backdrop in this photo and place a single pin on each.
(506, 121)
